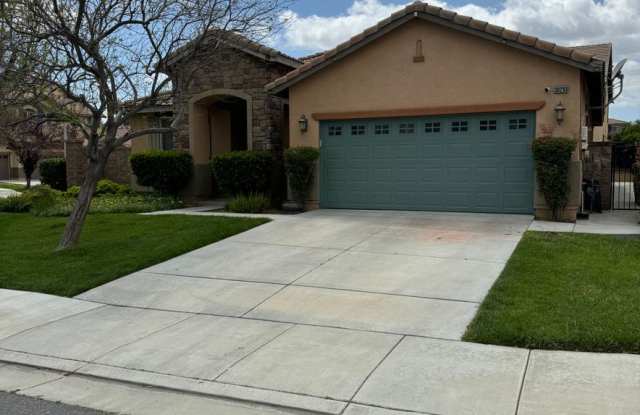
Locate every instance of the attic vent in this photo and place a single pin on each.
(419, 56)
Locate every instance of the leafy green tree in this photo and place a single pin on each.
(630, 133)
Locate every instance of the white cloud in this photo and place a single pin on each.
(567, 22)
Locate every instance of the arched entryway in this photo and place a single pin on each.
(220, 120)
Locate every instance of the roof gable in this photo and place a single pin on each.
(241, 43)
(582, 59)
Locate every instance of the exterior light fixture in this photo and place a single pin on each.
(303, 123)
(560, 109)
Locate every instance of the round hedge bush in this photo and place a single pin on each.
(243, 172)
(53, 173)
(167, 172)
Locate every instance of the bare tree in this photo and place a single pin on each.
(100, 53)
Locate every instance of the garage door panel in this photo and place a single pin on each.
(433, 151)
(487, 168)
(488, 200)
(491, 175)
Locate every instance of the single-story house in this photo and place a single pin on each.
(427, 110)
(615, 127)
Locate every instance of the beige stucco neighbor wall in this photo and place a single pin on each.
(141, 143)
(459, 70)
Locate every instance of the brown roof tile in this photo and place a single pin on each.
(477, 24)
(510, 35)
(591, 55)
(461, 20)
(601, 51)
(545, 46)
(527, 40)
(494, 30)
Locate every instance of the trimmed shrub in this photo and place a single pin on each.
(35, 199)
(136, 203)
(243, 172)
(42, 197)
(15, 204)
(552, 156)
(73, 191)
(53, 172)
(167, 172)
(251, 203)
(300, 165)
(108, 187)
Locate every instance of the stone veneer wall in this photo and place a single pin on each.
(597, 166)
(230, 68)
(118, 167)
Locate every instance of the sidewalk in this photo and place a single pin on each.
(417, 374)
(618, 222)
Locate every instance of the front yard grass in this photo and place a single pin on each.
(112, 245)
(568, 292)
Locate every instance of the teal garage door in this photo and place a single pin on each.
(466, 163)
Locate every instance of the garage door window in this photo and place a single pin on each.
(518, 124)
(382, 129)
(335, 130)
(358, 129)
(459, 126)
(488, 125)
(407, 128)
(432, 127)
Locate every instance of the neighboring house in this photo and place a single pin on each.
(427, 110)
(616, 127)
(10, 166)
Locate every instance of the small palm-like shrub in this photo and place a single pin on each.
(251, 203)
(552, 156)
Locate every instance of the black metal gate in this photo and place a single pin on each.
(625, 176)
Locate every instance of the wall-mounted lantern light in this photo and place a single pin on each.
(303, 123)
(560, 109)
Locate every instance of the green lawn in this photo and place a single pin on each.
(112, 245)
(568, 292)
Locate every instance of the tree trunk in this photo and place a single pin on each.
(76, 220)
(28, 182)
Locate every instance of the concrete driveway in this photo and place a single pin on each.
(325, 311)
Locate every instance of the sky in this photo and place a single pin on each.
(316, 25)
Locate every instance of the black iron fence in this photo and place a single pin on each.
(625, 176)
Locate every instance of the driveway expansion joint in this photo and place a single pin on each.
(524, 376)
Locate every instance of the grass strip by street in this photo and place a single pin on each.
(565, 291)
(112, 246)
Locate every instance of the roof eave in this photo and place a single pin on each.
(278, 88)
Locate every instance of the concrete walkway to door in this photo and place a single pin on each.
(335, 312)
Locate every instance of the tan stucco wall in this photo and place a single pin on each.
(141, 143)
(459, 69)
